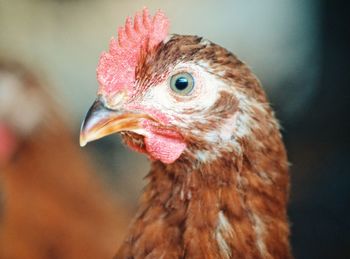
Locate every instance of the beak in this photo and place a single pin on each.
(101, 121)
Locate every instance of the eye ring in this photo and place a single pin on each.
(182, 83)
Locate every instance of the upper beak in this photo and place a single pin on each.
(101, 121)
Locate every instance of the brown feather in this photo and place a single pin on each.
(232, 206)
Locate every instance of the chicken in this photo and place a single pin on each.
(218, 185)
(53, 206)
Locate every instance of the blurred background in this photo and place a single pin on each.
(298, 49)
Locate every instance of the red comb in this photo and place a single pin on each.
(116, 68)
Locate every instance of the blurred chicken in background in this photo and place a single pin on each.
(52, 204)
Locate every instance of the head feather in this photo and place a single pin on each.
(116, 68)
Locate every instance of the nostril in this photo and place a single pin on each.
(115, 101)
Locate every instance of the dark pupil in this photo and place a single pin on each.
(181, 83)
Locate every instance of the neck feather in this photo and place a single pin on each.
(231, 207)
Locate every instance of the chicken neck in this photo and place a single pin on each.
(231, 207)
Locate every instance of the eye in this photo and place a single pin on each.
(182, 83)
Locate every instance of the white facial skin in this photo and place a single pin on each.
(186, 111)
(206, 92)
(203, 96)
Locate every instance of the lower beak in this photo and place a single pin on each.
(101, 121)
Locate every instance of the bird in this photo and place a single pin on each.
(218, 185)
(53, 205)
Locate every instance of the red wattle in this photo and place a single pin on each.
(164, 148)
(162, 144)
